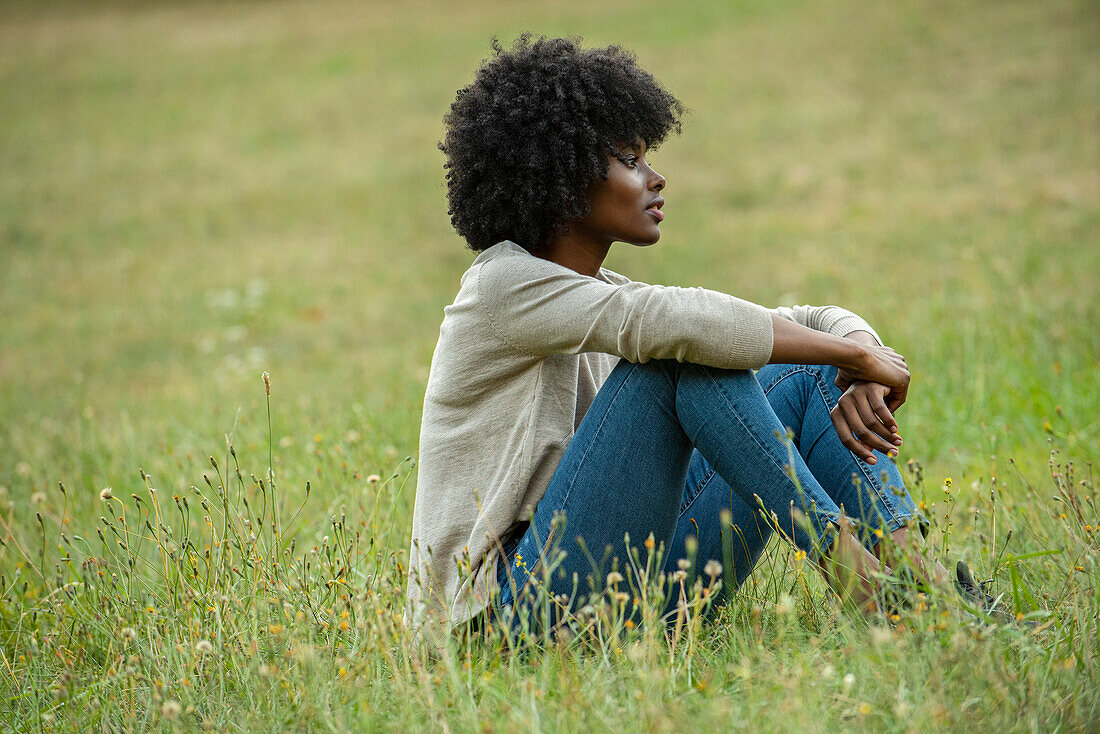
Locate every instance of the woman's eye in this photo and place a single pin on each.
(631, 161)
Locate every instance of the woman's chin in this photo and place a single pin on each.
(646, 241)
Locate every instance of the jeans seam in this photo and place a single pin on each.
(698, 490)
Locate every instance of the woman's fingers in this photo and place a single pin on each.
(844, 431)
(871, 419)
(864, 422)
(878, 405)
(860, 430)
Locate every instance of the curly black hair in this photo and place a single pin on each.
(536, 126)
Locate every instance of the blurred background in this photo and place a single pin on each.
(192, 193)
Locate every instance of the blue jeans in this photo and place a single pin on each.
(666, 447)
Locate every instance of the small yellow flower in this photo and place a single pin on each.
(274, 629)
(630, 624)
(864, 709)
(947, 481)
(649, 542)
(343, 672)
(318, 438)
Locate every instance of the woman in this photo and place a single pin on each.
(568, 406)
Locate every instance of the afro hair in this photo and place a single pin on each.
(536, 127)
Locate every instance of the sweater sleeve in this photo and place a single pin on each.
(830, 319)
(542, 308)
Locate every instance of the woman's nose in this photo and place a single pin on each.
(657, 182)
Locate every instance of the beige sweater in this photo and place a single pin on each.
(522, 352)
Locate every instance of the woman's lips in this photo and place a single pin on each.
(655, 213)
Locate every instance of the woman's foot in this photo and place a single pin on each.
(849, 569)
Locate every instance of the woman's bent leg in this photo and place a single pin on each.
(873, 495)
(624, 473)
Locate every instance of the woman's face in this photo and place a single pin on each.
(626, 207)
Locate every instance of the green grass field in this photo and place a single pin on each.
(194, 193)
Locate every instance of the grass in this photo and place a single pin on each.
(194, 193)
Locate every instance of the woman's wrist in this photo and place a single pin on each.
(853, 355)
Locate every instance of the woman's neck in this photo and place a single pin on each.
(583, 255)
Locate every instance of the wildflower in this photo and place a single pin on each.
(343, 672)
(629, 624)
(171, 709)
(274, 629)
(785, 605)
(374, 479)
(864, 708)
(622, 597)
(205, 647)
(106, 493)
(848, 681)
(683, 564)
(613, 578)
(649, 542)
(266, 671)
(318, 438)
(678, 576)
(129, 634)
(38, 498)
(947, 482)
(713, 568)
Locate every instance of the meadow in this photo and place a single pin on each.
(193, 194)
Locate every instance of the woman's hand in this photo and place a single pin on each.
(864, 422)
(878, 364)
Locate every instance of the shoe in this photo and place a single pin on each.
(974, 594)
